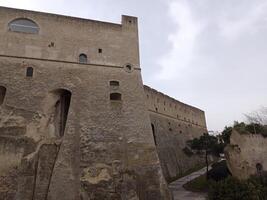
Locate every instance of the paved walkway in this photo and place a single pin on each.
(178, 191)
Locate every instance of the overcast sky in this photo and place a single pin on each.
(208, 53)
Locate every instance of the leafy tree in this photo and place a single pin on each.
(226, 134)
(208, 144)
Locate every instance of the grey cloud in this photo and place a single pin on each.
(208, 53)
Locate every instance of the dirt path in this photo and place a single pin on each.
(179, 193)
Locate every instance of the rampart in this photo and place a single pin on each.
(173, 124)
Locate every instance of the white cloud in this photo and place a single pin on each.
(182, 40)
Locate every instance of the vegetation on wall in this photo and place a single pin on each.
(252, 128)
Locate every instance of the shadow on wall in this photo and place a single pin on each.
(62, 109)
(56, 110)
(2, 94)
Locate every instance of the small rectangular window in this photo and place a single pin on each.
(114, 83)
(115, 96)
(29, 72)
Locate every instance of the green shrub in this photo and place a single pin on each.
(232, 189)
(253, 128)
(219, 171)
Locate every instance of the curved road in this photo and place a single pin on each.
(178, 191)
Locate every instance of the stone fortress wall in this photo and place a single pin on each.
(173, 124)
(246, 155)
(73, 124)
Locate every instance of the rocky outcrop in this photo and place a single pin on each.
(246, 154)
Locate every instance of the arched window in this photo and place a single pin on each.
(62, 110)
(29, 72)
(115, 96)
(2, 94)
(83, 58)
(23, 25)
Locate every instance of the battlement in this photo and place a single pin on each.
(165, 105)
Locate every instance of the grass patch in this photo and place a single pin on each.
(199, 184)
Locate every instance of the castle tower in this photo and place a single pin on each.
(73, 122)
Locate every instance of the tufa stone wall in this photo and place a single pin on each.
(246, 153)
(173, 124)
(66, 132)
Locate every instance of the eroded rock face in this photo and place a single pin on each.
(27, 162)
(246, 155)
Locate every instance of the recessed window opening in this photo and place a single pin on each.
(24, 26)
(62, 110)
(99, 50)
(83, 58)
(115, 96)
(114, 83)
(29, 72)
(2, 94)
(259, 167)
(154, 135)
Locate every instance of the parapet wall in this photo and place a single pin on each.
(164, 105)
(173, 124)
